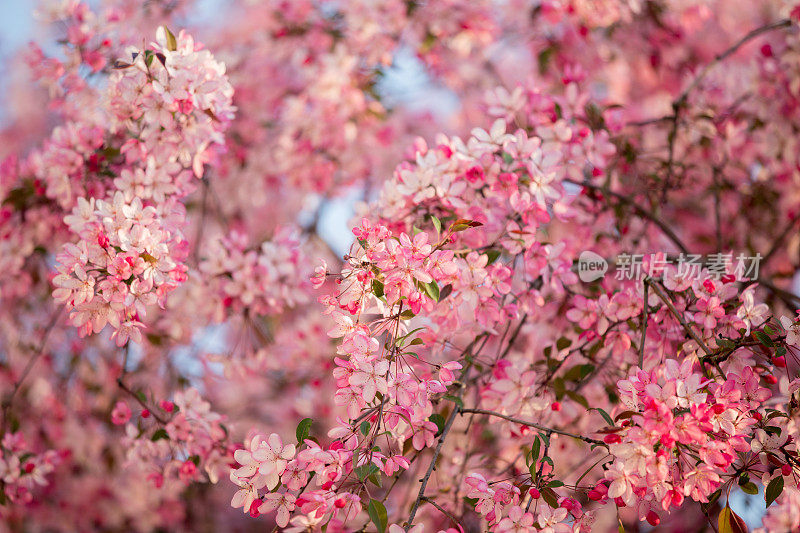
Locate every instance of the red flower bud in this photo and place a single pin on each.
(254, 512)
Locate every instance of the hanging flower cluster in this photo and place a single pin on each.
(182, 441)
(169, 107)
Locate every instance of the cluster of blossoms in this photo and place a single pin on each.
(681, 435)
(169, 108)
(22, 471)
(500, 504)
(470, 379)
(127, 259)
(264, 280)
(386, 275)
(173, 101)
(183, 442)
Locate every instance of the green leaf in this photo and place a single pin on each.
(432, 289)
(303, 429)
(195, 459)
(362, 471)
(578, 372)
(439, 420)
(375, 479)
(377, 513)
(774, 489)
(550, 497)
(578, 398)
(377, 288)
(724, 520)
(543, 59)
(763, 338)
(605, 416)
(364, 427)
(416, 341)
(437, 224)
(535, 448)
(172, 42)
(749, 488)
(563, 343)
(492, 254)
(159, 434)
(545, 439)
(555, 483)
(455, 399)
(730, 522)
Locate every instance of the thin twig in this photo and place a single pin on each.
(778, 243)
(140, 401)
(664, 298)
(424, 482)
(441, 509)
(39, 350)
(783, 23)
(639, 209)
(514, 336)
(644, 323)
(540, 427)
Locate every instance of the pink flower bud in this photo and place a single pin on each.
(121, 413)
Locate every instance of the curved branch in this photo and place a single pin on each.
(588, 440)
